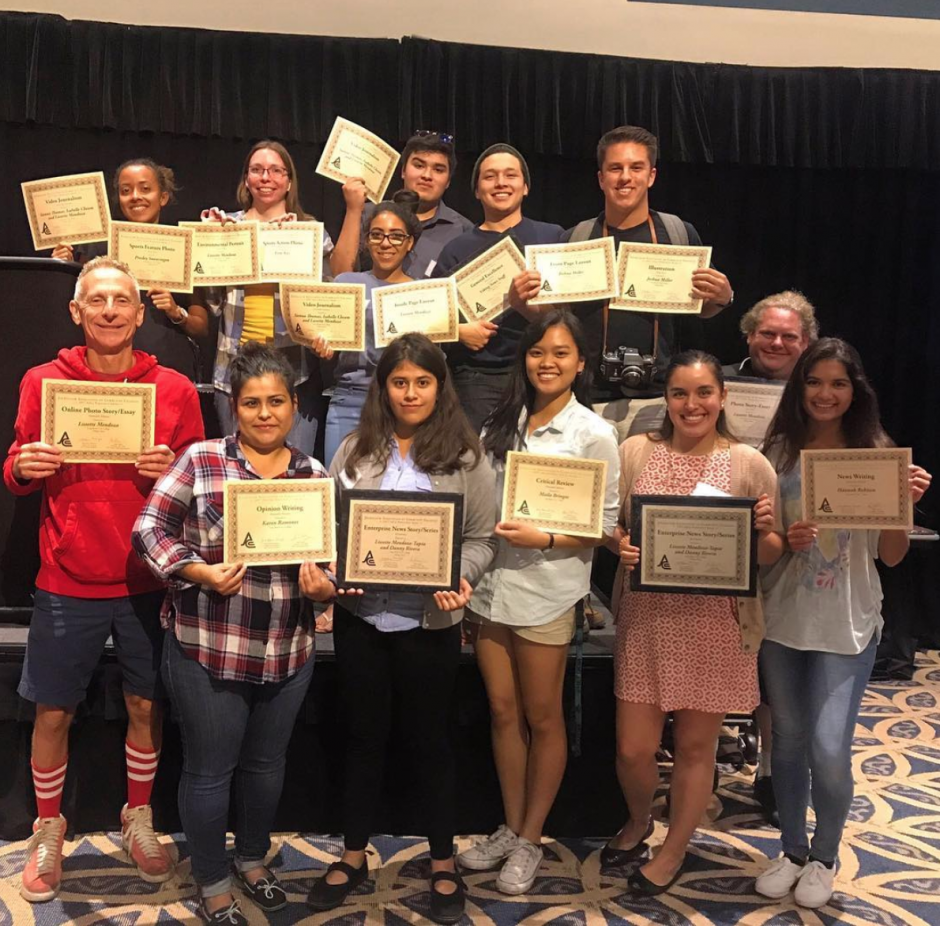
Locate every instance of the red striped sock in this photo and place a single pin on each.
(141, 769)
(48, 784)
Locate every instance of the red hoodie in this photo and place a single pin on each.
(89, 509)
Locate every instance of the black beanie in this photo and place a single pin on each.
(498, 148)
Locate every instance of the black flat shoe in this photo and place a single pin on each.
(640, 884)
(267, 892)
(617, 858)
(227, 916)
(447, 908)
(325, 896)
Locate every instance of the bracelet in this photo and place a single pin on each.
(551, 542)
(184, 314)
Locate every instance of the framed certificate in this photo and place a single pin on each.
(483, 283)
(577, 272)
(336, 311)
(750, 407)
(98, 422)
(225, 255)
(291, 251)
(159, 256)
(426, 306)
(701, 545)
(352, 151)
(67, 210)
(658, 277)
(279, 522)
(560, 494)
(858, 488)
(404, 541)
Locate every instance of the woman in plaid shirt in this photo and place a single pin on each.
(239, 656)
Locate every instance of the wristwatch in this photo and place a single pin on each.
(551, 542)
(184, 314)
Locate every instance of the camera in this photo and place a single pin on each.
(628, 368)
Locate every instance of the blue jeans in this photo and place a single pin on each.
(229, 728)
(814, 702)
(342, 418)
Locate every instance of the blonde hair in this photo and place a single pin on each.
(792, 301)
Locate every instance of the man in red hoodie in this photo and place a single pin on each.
(90, 584)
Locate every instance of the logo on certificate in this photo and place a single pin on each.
(631, 291)
(369, 559)
(664, 562)
(825, 506)
(546, 287)
(45, 229)
(335, 163)
(481, 308)
(298, 329)
(198, 267)
(65, 440)
(248, 541)
(391, 328)
(523, 508)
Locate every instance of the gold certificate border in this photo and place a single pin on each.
(53, 388)
(318, 231)
(229, 228)
(279, 487)
(592, 526)
(686, 307)
(535, 251)
(508, 246)
(810, 508)
(157, 231)
(379, 294)
(344, 125)
(741, 388)
(31, 187)
(357, 290)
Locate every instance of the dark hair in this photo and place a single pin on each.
(861, 423)
(628, 133)
(689, 358)
(500, 148)
(432, 142)
(403, 204)
(292, 202)
(256, 359)
(166, 180)
(441, 441)
(503, 431)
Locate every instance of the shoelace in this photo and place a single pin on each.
(229, 915)
(268, 886)
(140, 830)
(45, 841)
(812, 875)
(516, 865)
(499, 839)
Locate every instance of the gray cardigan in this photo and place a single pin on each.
(480, 514)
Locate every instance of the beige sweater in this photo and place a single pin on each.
(751, 475)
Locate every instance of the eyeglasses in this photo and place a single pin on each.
(787, 337)
(395, 238)
(279, 172)
(443, 137)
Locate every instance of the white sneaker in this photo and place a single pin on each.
(780, 877)
(815, 885)
(518, 874)
(490, 851)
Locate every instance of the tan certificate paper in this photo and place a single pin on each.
(577, 272)
(67, 210)
(750, 407)
(858, 488)
(560, 494)
(352, 151)
(658, 277)
(225, 255)
(291, 251)
(483, 283)
(160, 256)
(335, 311)
(426, 306)
(98, 422)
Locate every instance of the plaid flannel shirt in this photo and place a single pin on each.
(264, 633)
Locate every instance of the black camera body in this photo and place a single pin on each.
(628, 368)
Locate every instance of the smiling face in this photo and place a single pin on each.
(693, 402)
(389, 242)
(501, 185)
(267, 179)
(427, 173)
(264, 412)
(108, 310)
(553, 363)
(139, 194)
(626, 177)
(827, 391)
(777, 343)
(412, 396)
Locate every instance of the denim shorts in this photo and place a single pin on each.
(67, 637)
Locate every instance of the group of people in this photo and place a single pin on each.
(136, 552)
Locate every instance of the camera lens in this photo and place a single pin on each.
(632, 377)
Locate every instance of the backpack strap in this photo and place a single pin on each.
(675, 228)
(582, 231)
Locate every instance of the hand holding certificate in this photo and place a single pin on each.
(352, 151)
(425, 306)
(331, 311)
(67, 210)
(160, 256)
(658, 277)
(483, 283)
(576, 272)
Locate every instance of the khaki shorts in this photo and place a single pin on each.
(558, 632)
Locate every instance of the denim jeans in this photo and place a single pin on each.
(479, 392)
(342, 417)
(814, 702)
(229, 729)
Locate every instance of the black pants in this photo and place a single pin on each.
(414, 673)
(479, 392)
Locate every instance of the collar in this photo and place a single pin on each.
(444, 215)
(556, 424)
(298, 465)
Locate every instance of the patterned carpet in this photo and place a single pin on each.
(889, 865)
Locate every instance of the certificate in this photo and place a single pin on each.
(750, 407)
(658, 277)
(291, 251)
(560, 494)
(483, 283)
(426, 306)
(335, 311)
(575, 272)
(67, 210)
(160, 256)
(225, 254)
(703, 545)
(406, 541)
(98, 422)
(858, 488)
(352, 151)
(278, 522)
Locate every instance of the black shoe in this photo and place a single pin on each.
(266, 892)
(617, 858)
(326, 896)
(227, 916)
(447, 908)
(764, 795)
(640, 884)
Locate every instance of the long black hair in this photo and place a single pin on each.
(689, 358)
(502, 426)
(441, 441)
(789, 431)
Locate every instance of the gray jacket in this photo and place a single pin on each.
(480, 514)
